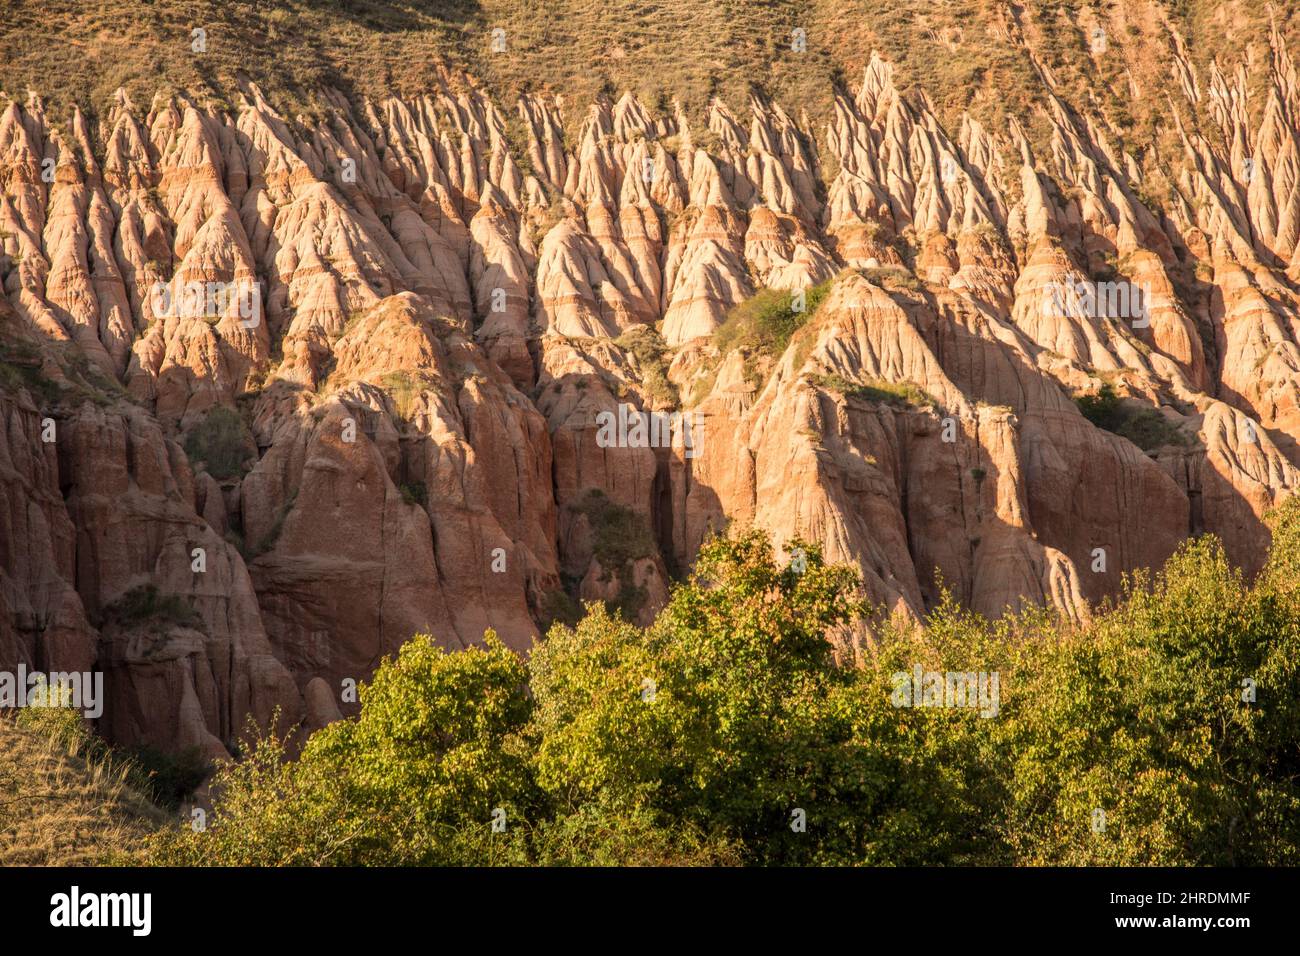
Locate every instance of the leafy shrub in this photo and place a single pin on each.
(619, 535)
(559, 608)
(898, 394)
(413, 780)
(765, 322)
(168, 779)
(147, 603)
(892, 278)
(405, 388)
(1149, 430)
(273, 533)
(1144, 427)
(20, 368)
(220, 444)
(1102, 408)
(415, 493)
(651, 355)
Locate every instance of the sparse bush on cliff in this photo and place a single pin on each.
(1145, 427)
(220, 444)
(897, 394)
(765, 322)
(146, 603)
(652, 357)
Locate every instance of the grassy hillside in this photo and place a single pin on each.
(63, 800)
(966, 53)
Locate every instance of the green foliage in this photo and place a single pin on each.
(620, 535)
(765, 322)
(1102, 408)
(1144, 427)
(433, 753)
(146, 603)
(652, 358)
(1149, 430)
(20, 368)
(273, 533)
(694, 740)
(271, 812)
(220, 444)
(62, 726)
(412, 781)
(593, 731)
(415, 493)
(892, 278)
(559, 608)
(898, 394)
(168, 779)
(595, 834)
(1142, 716)
(619, 538)
(405, 389)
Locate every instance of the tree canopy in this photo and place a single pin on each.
(1163, 730)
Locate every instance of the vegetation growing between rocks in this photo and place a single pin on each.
(273, 534)
(23, 366)
(404, 388)
(168, 779)
(652, 358)
(415, 493)
(220, 444)
(620, 538)
(898, 394)
(146, 603)
(77, 291)
(691, 741)
(559, 608)
(1144, 427)
(764, 322)
(892, 278)
(619, 534)
(20, 368)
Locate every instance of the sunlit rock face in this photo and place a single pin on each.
(278, 393)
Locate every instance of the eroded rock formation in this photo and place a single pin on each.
(278, 393)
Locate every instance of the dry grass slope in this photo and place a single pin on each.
(61, 805)
(981, 55)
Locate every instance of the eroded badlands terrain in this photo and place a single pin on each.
(228, 514)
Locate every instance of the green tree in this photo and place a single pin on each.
(1141, 716)
(730, 713)
(413, 780)
(1165, 728)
